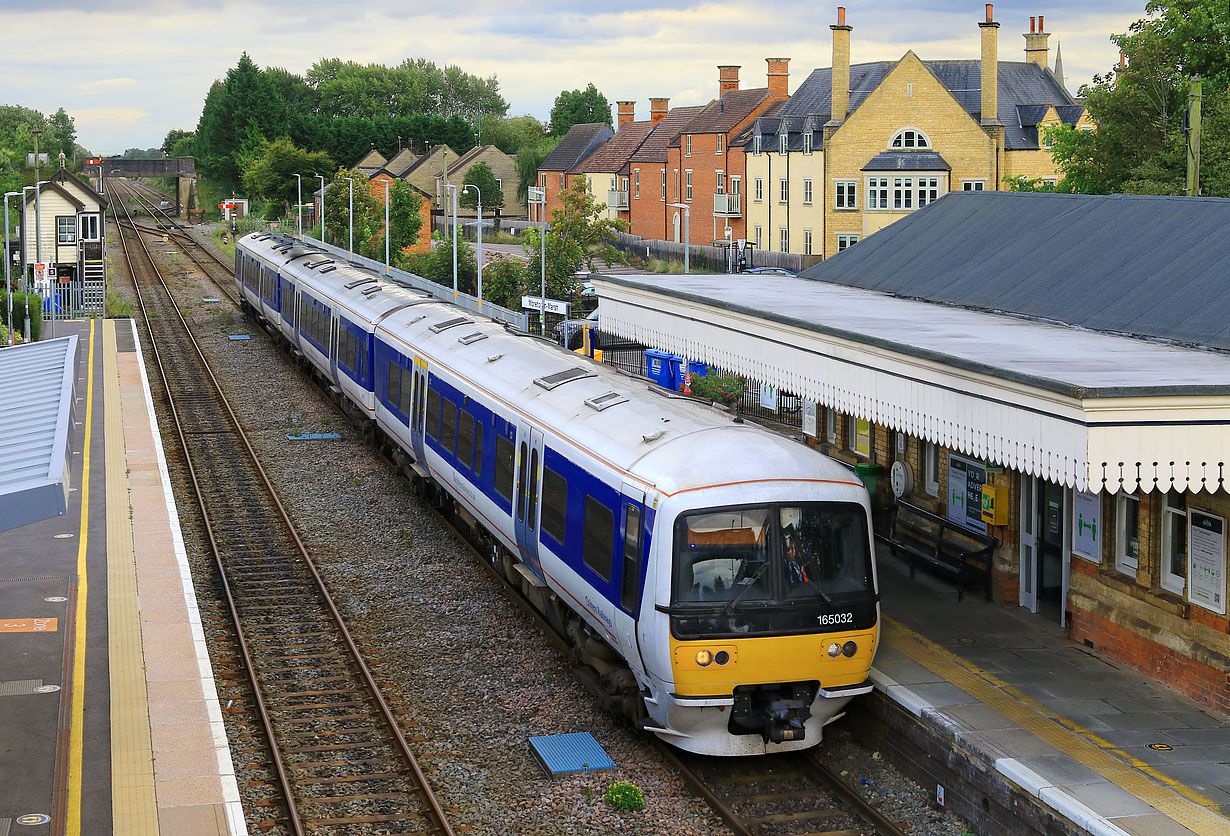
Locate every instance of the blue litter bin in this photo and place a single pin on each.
(661, 367)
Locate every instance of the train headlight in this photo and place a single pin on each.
(834, 650)
(721, 657)
(849, 649)
(704, 658)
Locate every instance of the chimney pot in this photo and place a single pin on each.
(1031, 26)
(627, 113)
(990, 12)
(778, 77)
(658, 108)
(841, 15)
(1041, 25)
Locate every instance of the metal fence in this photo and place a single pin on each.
(710, 258)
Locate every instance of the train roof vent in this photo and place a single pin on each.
(472, 338)
(606, 401)
(450, 323)
(328, 269)
(369, 292)
(357, 282)
(312, 265)
(552, 381)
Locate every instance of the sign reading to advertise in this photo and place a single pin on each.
(535, 303)
(1087, 526)
(965, 480)
(1206, 561)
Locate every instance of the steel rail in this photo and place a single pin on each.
(420, 778)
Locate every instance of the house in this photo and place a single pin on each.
(429, 172)
(400, 161)
(704, 170)
(647, 201)
(860, 146)
(381, 180)
(67, 234)
(580, 141)
(605, 169)
(502, 166)
(372, 161)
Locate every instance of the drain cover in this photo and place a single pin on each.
(562, 754)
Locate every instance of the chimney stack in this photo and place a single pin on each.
(658, 108)
(627, 113)
(778, 78)
(1036, 48)
(990, 67)
(728, 79)
(841, 66)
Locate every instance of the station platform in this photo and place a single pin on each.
(109, 717)
(1028, 731)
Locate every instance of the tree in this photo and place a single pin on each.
(405, 214)
(529, 158)
(505, 281)
(173, 137)
(577, 235)
(575, 107)
(481, 175)
(237, 111)
(270, 174)
(368, 218)
(512, 134)
(437, 266)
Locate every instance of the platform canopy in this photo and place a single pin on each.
(1084, 409)
(36, 394)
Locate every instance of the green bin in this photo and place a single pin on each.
(867, 471)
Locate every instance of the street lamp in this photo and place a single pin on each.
(388, 230)
(8, 287)
(38, 242)
(687, 217)
(453, 189)
(299, 202)
(25, 265)
(480, 237)
(539, 196)
(322, 205)
(351, 247)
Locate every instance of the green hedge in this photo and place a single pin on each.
(21, 303)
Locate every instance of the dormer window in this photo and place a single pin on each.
(756, 145)
(783, 143)
(807, 141)
(909, 138)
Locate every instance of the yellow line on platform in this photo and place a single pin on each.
(1167, 795)
(77, 735)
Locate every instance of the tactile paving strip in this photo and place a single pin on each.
(17, 688)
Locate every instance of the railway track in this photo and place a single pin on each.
(792, 795)
(341, 762)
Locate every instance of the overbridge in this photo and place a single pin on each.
(183, 169)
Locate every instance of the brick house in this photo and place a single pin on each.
(703, 169)
(553, 174)
(646, 169)
(605, 169)
(860, 146)
(422, 244)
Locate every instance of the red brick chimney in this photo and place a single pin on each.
(658, 108)
(627, 113)
(778, 77)
(728, 79)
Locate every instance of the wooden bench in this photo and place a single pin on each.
(920, 536)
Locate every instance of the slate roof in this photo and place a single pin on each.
(907, 161)
(723, 113)
(1025, 91)
(653, 149)
(1129, 264)
(613, 155)
(577, 143)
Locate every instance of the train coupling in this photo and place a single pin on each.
(778, 713)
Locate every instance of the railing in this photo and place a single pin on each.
(617, 200)
(728, 205)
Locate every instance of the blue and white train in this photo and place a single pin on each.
(716, 579)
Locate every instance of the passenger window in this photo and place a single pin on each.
(448, 426)
(631, 580)
(393, 395)
(598, 542)
(433, 414)
(521, 483)
(465, 439)
(505, 453)
(554, 504)
(478, 448)
(407, 387)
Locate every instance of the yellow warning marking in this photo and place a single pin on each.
(1167, 795)
(28, 625)
(76, 736)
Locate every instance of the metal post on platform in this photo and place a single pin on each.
(480, 238)
(350, 249)
(299, 202)
(388, 231)
(322, 205)
(453, 189)
(8, 263)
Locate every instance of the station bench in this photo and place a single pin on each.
(921, 537)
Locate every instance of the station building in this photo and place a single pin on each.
(1069, 352)
(68, 234)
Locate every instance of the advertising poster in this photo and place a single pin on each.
(1206, 561)
(1087, 526)
(965, 481)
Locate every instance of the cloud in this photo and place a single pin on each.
(91, 116)
(102, 85)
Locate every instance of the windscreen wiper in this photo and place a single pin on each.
(748, 583)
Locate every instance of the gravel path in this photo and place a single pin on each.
(470, 676)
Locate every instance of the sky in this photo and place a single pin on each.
(128, 74)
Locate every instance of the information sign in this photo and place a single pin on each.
(1087, 526)
(535, 303)
(768, 396)
(809, 418)
(965, 480)
(1206, 561)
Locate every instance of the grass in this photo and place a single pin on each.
(118, 305)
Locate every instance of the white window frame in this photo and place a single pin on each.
(89, 228)
(783, 143)
(830, 426)
(688, 143)
(1173, 516)
(759, 237)
(973, 185)
(846, 241)
(66, 230)
(808, 142)
(877, 193)
(846, 194)
(736, 184)
(663, 184)
(719, 148)
(783, 239)
(719, 182)
(928, 191)
(687, 185)
(783, 186)
(852, 441)
(807, 242)
(758, 190)
(903, 194)
(756, 145)
(931, 468)
(909, 138)
(1125, 563)
(807, 191)
(636, 184)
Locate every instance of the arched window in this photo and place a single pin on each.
(909, 138)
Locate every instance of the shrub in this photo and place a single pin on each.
(23, 303)
(624, 796)
(724, 389)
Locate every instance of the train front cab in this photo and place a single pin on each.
(768, 619)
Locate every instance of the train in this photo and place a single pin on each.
(715, 580)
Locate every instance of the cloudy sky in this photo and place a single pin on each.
(128, 74)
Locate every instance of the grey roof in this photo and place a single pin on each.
(907, 161)
(653, 149)
(579, 142)
(1130, 264)
(1021, 83)
(36, 388)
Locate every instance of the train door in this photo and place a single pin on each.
(418, 409)
(529, 469)
(335, 327)
(632, 561)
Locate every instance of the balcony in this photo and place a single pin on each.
(728, 205)
(617, 200)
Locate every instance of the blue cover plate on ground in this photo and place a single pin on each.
(561, 754)
(240, 337)
(313, 436)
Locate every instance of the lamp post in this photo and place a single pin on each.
(350, 249)
(38, 242)
(322, 205)
(388, 230)
(453, 189)
(25, 265)
(299, 202)
(539, 196)
(687, 247)
(8, 261)
(480, 238)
